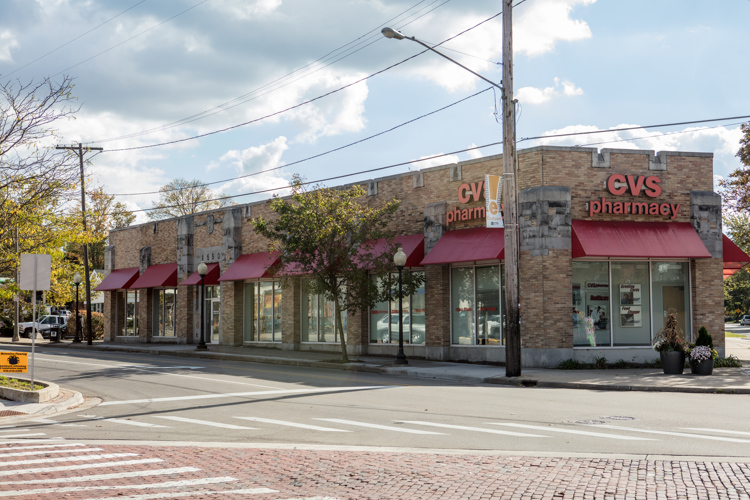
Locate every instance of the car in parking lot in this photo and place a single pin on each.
(44, 325)
(745, 320)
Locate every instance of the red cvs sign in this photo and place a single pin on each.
(620, 184)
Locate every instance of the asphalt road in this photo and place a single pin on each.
(161, 399)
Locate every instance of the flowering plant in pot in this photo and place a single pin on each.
(671, 345)
(702, 353)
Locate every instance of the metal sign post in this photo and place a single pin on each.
(36, 271)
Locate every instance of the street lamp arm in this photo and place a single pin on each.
(388, 33)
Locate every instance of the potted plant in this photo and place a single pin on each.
(671, 346)
(702, 353)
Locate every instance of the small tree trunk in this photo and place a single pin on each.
(340, 329)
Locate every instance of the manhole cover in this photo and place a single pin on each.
(589, 422)
(11, 413)
(619, 418)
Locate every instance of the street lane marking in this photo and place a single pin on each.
(136, 367)
(118, 463)
(83, 458)
(55, 422)
(167, 484)
(475, 429)
(22, 435)
(376, 426)
(133, 422)
(668, 433)
(26, 441)
(16, 448)
(292, 424)
(47, 452)
(13, 429)
(246, 394)
(573, 431)
(181, 494)
(740, 433)
(102, 477)
(208, 423)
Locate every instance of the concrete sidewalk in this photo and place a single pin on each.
(723, 380)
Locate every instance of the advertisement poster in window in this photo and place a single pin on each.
(631, 317)
(630, 295)
(597, 304)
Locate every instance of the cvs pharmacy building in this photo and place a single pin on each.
(618, 236)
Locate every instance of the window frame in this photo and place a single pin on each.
(474, 265)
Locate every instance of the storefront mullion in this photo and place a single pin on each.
(262, 311)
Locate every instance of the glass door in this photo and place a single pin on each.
(215, 318)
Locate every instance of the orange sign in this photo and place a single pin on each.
(14, 362)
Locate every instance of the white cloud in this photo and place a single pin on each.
(538, 28)
(7, 44)
(474, 153)
(244, 9)
(255, 159)
(532, 95)
(434, 162)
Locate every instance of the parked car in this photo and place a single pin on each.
(44, 326)
(745, 321)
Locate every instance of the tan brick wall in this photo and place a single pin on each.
(437, 306)
(232, 295)
(708, 298)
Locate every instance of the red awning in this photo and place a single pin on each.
(251, 266)
(674, 240)
(211, 278)
(467, 245)
(734, 257)
(119, 279)
(412, 244)
(157, 275)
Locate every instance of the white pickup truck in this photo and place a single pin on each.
(44, 325)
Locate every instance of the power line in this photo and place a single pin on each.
(129, 39)
(433, 157)
(319, 154)
(76, 38)
(656, 135)
(254, 94)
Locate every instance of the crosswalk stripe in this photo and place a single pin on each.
(13, 429)
(4, 436)
(206, 422)
(37, 446)
(330, 390)
(723, 431)
(475, 429)
(292, 424)
(167, 484)
(181, 494)
(78, 467)
(47, 452)
(26, 441)
(574, 431)
(133, 422)
(669, 433)
(83, 458)
(377, 426)
(102, 477)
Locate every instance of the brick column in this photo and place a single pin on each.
(145, 314)
(232, 294)
(437, 312)
(184, 320)
(291, 314)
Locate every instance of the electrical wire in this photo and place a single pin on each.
(129, 39)
(74, 39)
(376, 169)
(286, 165)
(356, 46)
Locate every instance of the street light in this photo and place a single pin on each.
(77, 281)
(510, 217)
(202, 270)
(400, 260)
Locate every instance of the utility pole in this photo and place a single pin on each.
(512, 306)
(79, 150)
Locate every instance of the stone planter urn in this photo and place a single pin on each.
(704, 367)
(672, 362)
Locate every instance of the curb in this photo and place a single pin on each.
(48, 393)
(610, 387)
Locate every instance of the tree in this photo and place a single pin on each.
(103, 213)
(737, 286)
(182, 197)
(330, 236)
(736, 189)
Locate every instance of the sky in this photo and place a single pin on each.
(312, 87)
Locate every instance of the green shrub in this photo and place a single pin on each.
(570, 364)
(704, 338)
(97, 325)
(729, 362)
(600, 363)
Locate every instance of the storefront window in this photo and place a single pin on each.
(591, 300)
(165, 305)
(212, 312)
(670, 284)
(262, 319)
(384, 318)
(318, 319)
(631, 325)
(476, 312)
(131, 314)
